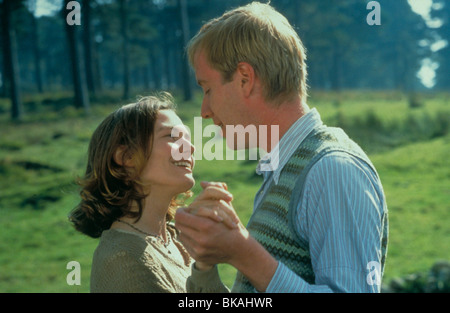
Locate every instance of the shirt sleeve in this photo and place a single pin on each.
(205, 281)
(341, 215)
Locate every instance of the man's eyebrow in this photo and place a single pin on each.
(201, 82)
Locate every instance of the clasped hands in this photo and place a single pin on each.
(209, 227)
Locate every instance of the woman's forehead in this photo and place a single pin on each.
(167, 119)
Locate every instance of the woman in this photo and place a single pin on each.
(129, 195)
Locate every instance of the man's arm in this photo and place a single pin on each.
(342, 215)
(212, 243)
(342, 218)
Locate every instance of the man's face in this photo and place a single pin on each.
(222, 102)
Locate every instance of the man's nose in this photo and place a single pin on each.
(206, 110)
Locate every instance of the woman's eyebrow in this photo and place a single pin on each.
(163, 128)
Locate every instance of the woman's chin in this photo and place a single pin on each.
(188, 185)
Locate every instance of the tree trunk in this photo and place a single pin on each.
(11, 64)
(186, 77)
(37, 55)
(88, 54)
(125, 56)
(155, 69)
(336, 73)
(79, 77)
(98, 74)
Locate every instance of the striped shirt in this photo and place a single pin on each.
(341, 216)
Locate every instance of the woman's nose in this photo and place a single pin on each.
(192, 147)
(185, 146)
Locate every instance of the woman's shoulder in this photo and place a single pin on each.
(122, 263)
(114, 242)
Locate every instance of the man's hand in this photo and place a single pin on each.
(209, 242)
(214, 202)
(206, 240)
(216, 235)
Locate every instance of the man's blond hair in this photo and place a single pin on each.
(260, 36)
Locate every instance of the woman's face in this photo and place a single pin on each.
(162, 171)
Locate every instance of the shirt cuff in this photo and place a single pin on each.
(205, 281)
(210, 276)
(286, 281)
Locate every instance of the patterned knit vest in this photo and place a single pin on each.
(272, 221)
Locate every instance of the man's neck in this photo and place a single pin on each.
(282, 117)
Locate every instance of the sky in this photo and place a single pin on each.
(45, 8)
(426, 73)
(422, 7)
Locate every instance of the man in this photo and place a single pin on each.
(319, 222)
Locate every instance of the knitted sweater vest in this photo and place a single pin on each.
(272, 221)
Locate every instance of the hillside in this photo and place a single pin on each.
(41, 158)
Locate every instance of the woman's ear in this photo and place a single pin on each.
(122, 157)
(246, 77)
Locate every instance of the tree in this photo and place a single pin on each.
(35, 41)
(81, 97)
(185, 35)
(10, 61)
(403, 32)
(125, 50)
(344, 51)
(88, 49)
(442, 34)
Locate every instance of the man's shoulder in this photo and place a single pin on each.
(339, 165)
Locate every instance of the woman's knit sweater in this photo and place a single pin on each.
(129, 262)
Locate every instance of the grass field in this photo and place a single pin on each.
(41, 157)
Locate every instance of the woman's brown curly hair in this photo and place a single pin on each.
(108, 189)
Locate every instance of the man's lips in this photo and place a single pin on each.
(217, 123)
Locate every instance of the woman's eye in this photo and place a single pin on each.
(173, 136)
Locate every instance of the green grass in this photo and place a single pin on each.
(41, 157)
(416, 179)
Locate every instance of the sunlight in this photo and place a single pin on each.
(47, 8)
(427, 73)
(421, 7)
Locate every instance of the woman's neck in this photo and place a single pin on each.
(153, 219)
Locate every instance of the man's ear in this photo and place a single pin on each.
(246, 76)
(122, 157)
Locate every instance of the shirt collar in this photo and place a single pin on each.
(272, 163)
